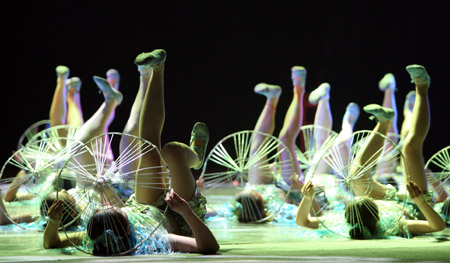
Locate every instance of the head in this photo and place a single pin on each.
(362, 215)
(251, 207)
(109, 229)
(70, 212)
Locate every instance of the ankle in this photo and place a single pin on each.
(422, 89)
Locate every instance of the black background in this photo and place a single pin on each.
(217, 52)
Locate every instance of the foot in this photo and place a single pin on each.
(409, 100)
(151, 59)
(199, 141)
(113, 77)
(418, 74)
(270, 91)
(298, 75)
(351, 113)
(62, 71)
(387, 82)
(320, 93)
(108, 92)
(380, 113)
(73, 85)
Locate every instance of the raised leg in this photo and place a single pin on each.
(293, 121)
(97, 122)
(151, 124)
(74, 110)
(407, 112)
(265, 124)
(323, 118)
(420, 124)
(388, 85)
(132, 125)
(348, 122)
(370, 152)
(58, 109)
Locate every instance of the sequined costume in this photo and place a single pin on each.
(197, 204)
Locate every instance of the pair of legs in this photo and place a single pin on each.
(66, 103)
(324, 121)
(413, 162)
(148, 113)
(289, 132)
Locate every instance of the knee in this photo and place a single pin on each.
(286, 139)
(412, 146)
(171, 151)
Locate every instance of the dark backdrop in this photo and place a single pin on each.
(217, 52)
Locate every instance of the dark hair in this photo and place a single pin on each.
(70, 211)
(113, 223)
(362, 215)
(252, 207)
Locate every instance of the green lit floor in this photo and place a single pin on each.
(250, 243)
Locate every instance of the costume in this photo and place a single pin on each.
(197, 204)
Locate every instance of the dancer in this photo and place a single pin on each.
(111, 229)
(363, 213)
(263, 183)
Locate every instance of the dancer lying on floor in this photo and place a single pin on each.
(65, 110)
(267, 187)
(362, 214)
(113, 230)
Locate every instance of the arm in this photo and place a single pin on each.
(433, 222)
(11, 193)
(51, 236)
(203, 242)
(302, 218)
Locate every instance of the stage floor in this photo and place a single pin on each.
(255, 242)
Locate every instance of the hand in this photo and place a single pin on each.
(55, 211)
(296, 182)
(176, 203)
(415, 193)
(308, 190)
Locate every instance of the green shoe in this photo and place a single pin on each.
(151, 59)
(418, 74)
(379, 113)
(73, 84)
(62, 71)
(108, 92)
(200, 132)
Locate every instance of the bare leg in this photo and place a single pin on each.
(369, 154)
(151, 124)
(420, 124)
(96, 124)
(387, 85)
(181, 158)
(113, 78)
(293, 122)
(58, 109)
(322, 118)
(407, 112)
(343, 139)
(265, 124)
(74, 110)
(132, 125)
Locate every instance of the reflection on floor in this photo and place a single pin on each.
(270, 242)
(255, 242)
